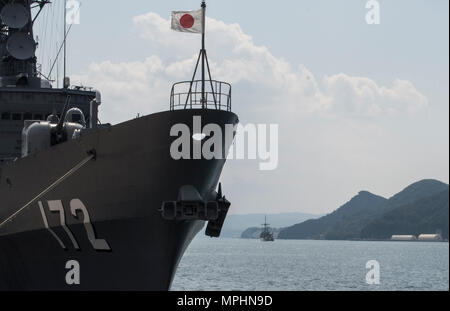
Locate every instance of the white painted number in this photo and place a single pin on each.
(44, 217)
(98, 244)
(57, 206)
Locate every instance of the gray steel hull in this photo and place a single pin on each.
(121, 190)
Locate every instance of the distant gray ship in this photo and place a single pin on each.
(110, 198)
(266, 235)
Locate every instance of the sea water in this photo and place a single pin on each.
(305, 265)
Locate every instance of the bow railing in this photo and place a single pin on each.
(189, 95)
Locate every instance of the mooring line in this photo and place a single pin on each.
(51, 187)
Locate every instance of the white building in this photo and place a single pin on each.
(430, 237)
(403, 238)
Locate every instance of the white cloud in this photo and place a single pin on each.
(359, 96)
(264, 83)
(325, 139)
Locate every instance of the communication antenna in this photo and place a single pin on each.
(21, 46)
(62, 49)
(15, 15)
(65, 45)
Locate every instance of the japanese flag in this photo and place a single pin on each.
(188, 21)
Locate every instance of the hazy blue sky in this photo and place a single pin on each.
(360, 107)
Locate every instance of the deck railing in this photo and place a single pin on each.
(188, 95)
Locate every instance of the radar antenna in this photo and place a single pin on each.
(15, 15)
(21, 46)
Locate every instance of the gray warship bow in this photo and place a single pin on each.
(109, 200)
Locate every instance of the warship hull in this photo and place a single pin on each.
(105, 216)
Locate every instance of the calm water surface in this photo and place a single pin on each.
(241, 264)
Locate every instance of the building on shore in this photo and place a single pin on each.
(430, 237)
(399, 237)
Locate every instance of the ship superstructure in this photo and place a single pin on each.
(25, 95)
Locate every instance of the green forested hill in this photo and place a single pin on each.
(365, 203)
(369, 216)
(429, 215)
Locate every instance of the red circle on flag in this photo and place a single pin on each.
(187, 21)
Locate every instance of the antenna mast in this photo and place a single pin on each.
(205, 66)
(65, 45)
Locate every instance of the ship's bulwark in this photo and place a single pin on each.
(121, 190)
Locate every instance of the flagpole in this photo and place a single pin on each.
(204, 103)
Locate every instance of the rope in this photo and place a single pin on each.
(51, 187)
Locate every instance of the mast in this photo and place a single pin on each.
(30, 21)
(203, 55)
(65, 45)
(265, 224)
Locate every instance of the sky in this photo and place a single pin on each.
(359, 106)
